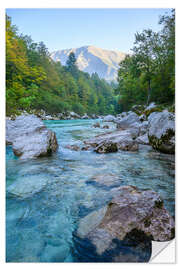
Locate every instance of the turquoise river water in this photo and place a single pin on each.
(40, 226)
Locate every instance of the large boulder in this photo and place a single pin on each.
(113, 141)
(109, 118)
(133, 123)
(131, 212)
(29, 137)
(161, 131)
(128, 121)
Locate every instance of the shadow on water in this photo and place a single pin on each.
(136, 247)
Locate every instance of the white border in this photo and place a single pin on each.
(75, 4)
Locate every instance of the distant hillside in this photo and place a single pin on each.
(92, 59)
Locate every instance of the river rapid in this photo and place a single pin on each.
(40, 224)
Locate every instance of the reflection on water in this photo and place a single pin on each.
(47, 197)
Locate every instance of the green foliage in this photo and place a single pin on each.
(149, 73)
(78, 108)
(34, 81)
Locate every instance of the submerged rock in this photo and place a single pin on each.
(106, 179)
(27, 186)
(161, 132)
(131, 211)
(29, 137)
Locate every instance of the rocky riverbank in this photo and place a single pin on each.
(157, 130)
(58, 116)
(140, 110)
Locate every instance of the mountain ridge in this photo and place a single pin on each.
(92, 59)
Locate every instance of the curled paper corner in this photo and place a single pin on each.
(163, 252)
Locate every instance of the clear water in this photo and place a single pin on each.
(39, 227)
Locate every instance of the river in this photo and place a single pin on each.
(40, 226)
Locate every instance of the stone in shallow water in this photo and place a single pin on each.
(97, 125)
(27, 186)
(90, 222)
(73, 147)
(130, 210)
(106, 179)
(29, 137)
(106, 147)
(113, 141)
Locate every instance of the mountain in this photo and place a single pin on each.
(92, 59)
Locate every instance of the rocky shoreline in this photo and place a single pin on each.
(157, 130)
(58, 116)
(142, 111)
(143, 125)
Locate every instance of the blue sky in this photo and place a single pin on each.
(70, 28)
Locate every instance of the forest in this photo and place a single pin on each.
(148, 74)
(35, 81)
